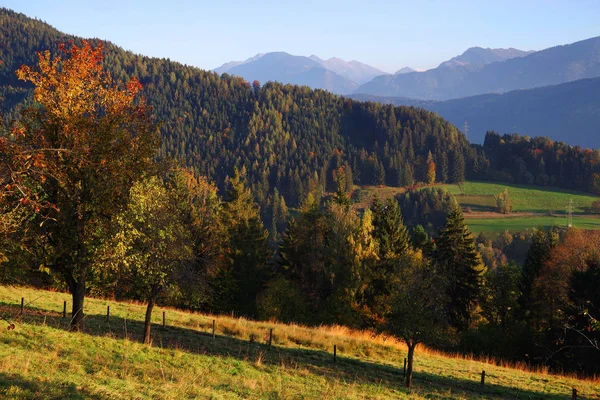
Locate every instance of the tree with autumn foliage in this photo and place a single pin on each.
(73, 157)
(566, 303)
(430, 169)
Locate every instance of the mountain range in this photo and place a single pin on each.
(455, 78)
(477, 57)
(334, 74)
(298, 70)
(345, 77)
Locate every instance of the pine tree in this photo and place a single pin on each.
(389, 229)
(460, 263)
(393, 247)
(249, 247)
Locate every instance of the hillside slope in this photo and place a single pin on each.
(569, 112)
(42, 360)
(284, 136)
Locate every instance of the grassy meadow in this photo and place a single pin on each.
(535, 199)
(41, 359)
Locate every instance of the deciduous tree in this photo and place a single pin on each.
(77, 150)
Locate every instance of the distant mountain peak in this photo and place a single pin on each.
(405, 70)
(478, 56)
(231, 64)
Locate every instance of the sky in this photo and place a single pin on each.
(385, 34)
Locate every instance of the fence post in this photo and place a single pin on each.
(574, 395)
(213, 328)
(65, 309)
(164, 320)
(270, 337)
(107, 313)
(22, 306)
(482, 379)
(334, 352)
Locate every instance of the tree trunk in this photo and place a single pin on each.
(78, 292)
(148, 320)
(409, 366)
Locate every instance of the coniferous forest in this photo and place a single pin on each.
(139, 178)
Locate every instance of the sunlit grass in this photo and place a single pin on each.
(40, 359)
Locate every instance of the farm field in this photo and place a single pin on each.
(480, 197)
(518, 224)
(41, 359)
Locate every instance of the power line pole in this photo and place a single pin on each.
(466, 129)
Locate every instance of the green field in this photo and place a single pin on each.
(480, 197)
(519, 224)
(41, 359)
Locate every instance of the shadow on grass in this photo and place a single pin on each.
(317, 362)
(14, 386)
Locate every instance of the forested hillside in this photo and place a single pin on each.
(285, 136)
(289, 137)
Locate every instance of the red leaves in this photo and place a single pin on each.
(10, 327)
(134, 85)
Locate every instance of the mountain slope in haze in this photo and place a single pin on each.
(552, 66)
(286, 68)
(227, 66)
(478, 56)
(569, 112)
(352, 70)
(405, 70)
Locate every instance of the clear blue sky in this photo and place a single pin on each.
(385, 34)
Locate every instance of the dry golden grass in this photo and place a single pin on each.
(185, 361)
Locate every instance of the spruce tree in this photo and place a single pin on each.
(389, 229)
(460, 263)
(249, 246)
(394, 246)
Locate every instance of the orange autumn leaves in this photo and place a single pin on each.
(551, 288)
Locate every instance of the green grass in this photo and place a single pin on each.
(519, 224)
(524, 198)
(41, 359)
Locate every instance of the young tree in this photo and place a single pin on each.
(457, 259)
(417, 311)
(503, 203)
(77, 151)
(152, 243)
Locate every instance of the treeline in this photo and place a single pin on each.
(541, 161)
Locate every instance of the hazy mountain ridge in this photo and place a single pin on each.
(353, 70)
(478, 56)
(551, 66)
(227, 66)
(569, 112)
(405, 70)
(286, 68)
